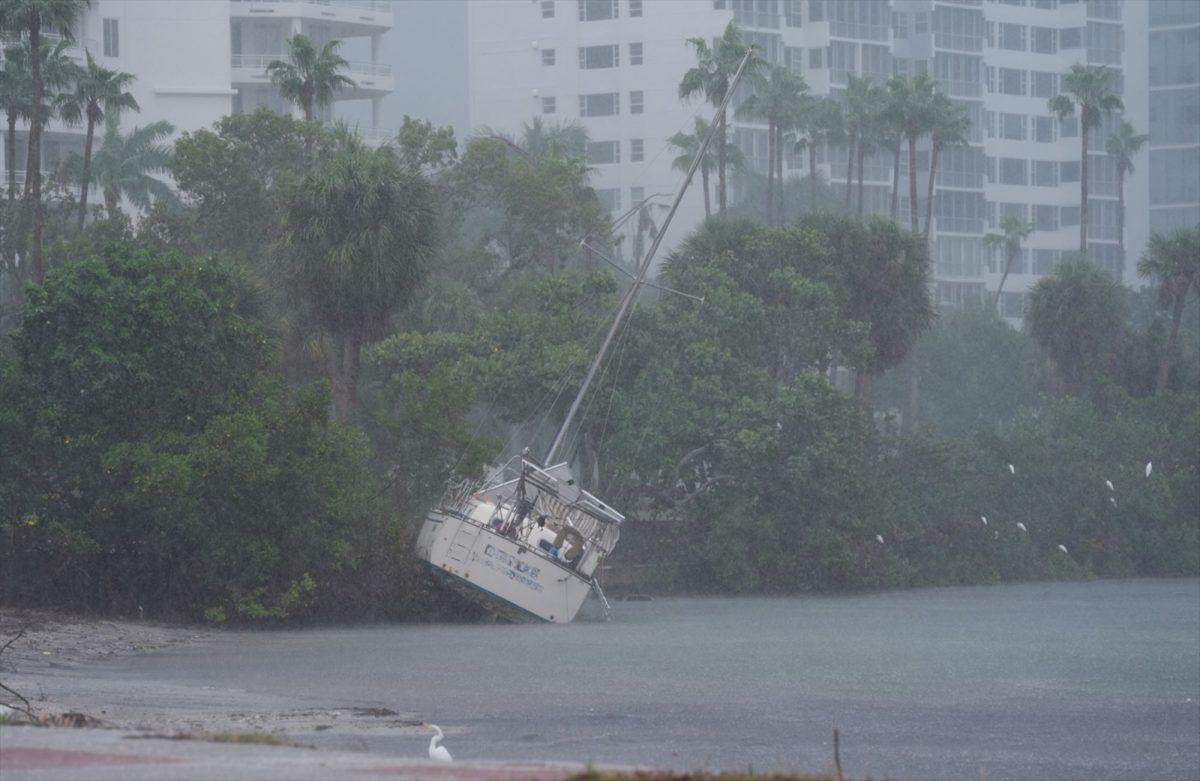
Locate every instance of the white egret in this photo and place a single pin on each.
(1021, 526)
(1012, 470)
(438, 753)
(1110, 485)
(1149, 468)
(984, 519)
(1063, 548)
(880, 538)
(1112, 500)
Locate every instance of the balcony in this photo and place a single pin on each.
(349, 17)
(261, 61)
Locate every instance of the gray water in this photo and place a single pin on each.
(1036, 681)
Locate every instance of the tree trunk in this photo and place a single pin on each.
(37, 273)
(894, 208)
(1007, 265)
(862, 386)
(812, 173)
(770, 171)
(914, 393)
(10, 155)
(1083, 182)
(704, 181)
(850, 170)
(780, 212)
(933, 156)
(912, 183)
(87, 170)
(1164, 364)
(721, 164)
(343, 375)
(112, 200)
(860, 178)
(1121, 220)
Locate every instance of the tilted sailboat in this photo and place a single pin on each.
(525, 542)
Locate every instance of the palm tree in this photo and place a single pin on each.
(358, 230)
(309, 77)
(13, 82)
(1174, 260)
(566, 139)
(860, 113)
(1087, 88)
(892, 117)
(58, 72)
(99, 92)
(1122, 145)
(124, 164)
(826, 125)
(914, 117)
(1015, 232)
(30, 18)
(776, 99)
(951, 124)
(711, 76)
(689, 146)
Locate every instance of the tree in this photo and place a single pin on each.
(1076, 315)
(914, 113)
(689, 146)
(1123, 144)
(826, 126)
(424, 148)
(231, 173)
(30, 18)
(950, 128)
(1088, 90)
(1174, 261)
(124, 165)
(1015, 232)
(99, 92)
(861, 102)
(309, 77)
(357, 232)
(892, 117)
(711, 76)
(777, 99)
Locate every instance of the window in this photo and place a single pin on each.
(636, 195)
(637, 150)
(791, 13)
(1174, 56)
(610, 198)
(547, 9)
(1068, 216)
(1012, 82)
(816, 10)
(1012, 36)
(1104, 42)
(1068, 128)
(1045, 85)
(1014, 171)
(547, 56)
(1104, 9)
(1013, 304)
(112, 38)
(1012, 127)
(1068, 171)
(1169, 12)
(1045, 218)
(635, 102)
(814, 58)
(1014, 211)
(597, 10)
(635, 54)
(549, 105)
(899, 24)
(603, 152)
(959, 256)
(1070, 38)
(1043, 130)
(1173, 175)
(1175, 115)
(1045, 173)
(600, 104)
(842, 59)
(1044, 261)
(593, 57)
(920, 22)
(1045, 40)
(635, 7)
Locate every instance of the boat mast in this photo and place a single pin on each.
(631, 294)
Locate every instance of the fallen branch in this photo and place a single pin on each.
(28, 709)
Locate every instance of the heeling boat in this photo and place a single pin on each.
(526, 541)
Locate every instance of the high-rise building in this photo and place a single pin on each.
(615, 66)
(196, 61)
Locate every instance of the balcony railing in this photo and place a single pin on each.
(261, 61)
(369, 5)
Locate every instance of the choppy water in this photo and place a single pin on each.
(1050, 680)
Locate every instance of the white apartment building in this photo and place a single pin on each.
(615, 66)
(199, 60)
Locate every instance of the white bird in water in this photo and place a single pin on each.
(1021, 526)
(1112, 500)
(1149, 468)
(1063, 548)
(879, 537)
(1012, 470)
(1110, 485)
(438, 753)
(984, 519)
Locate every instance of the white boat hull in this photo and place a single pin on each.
(507, 576)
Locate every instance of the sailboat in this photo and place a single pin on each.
(526, 541)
